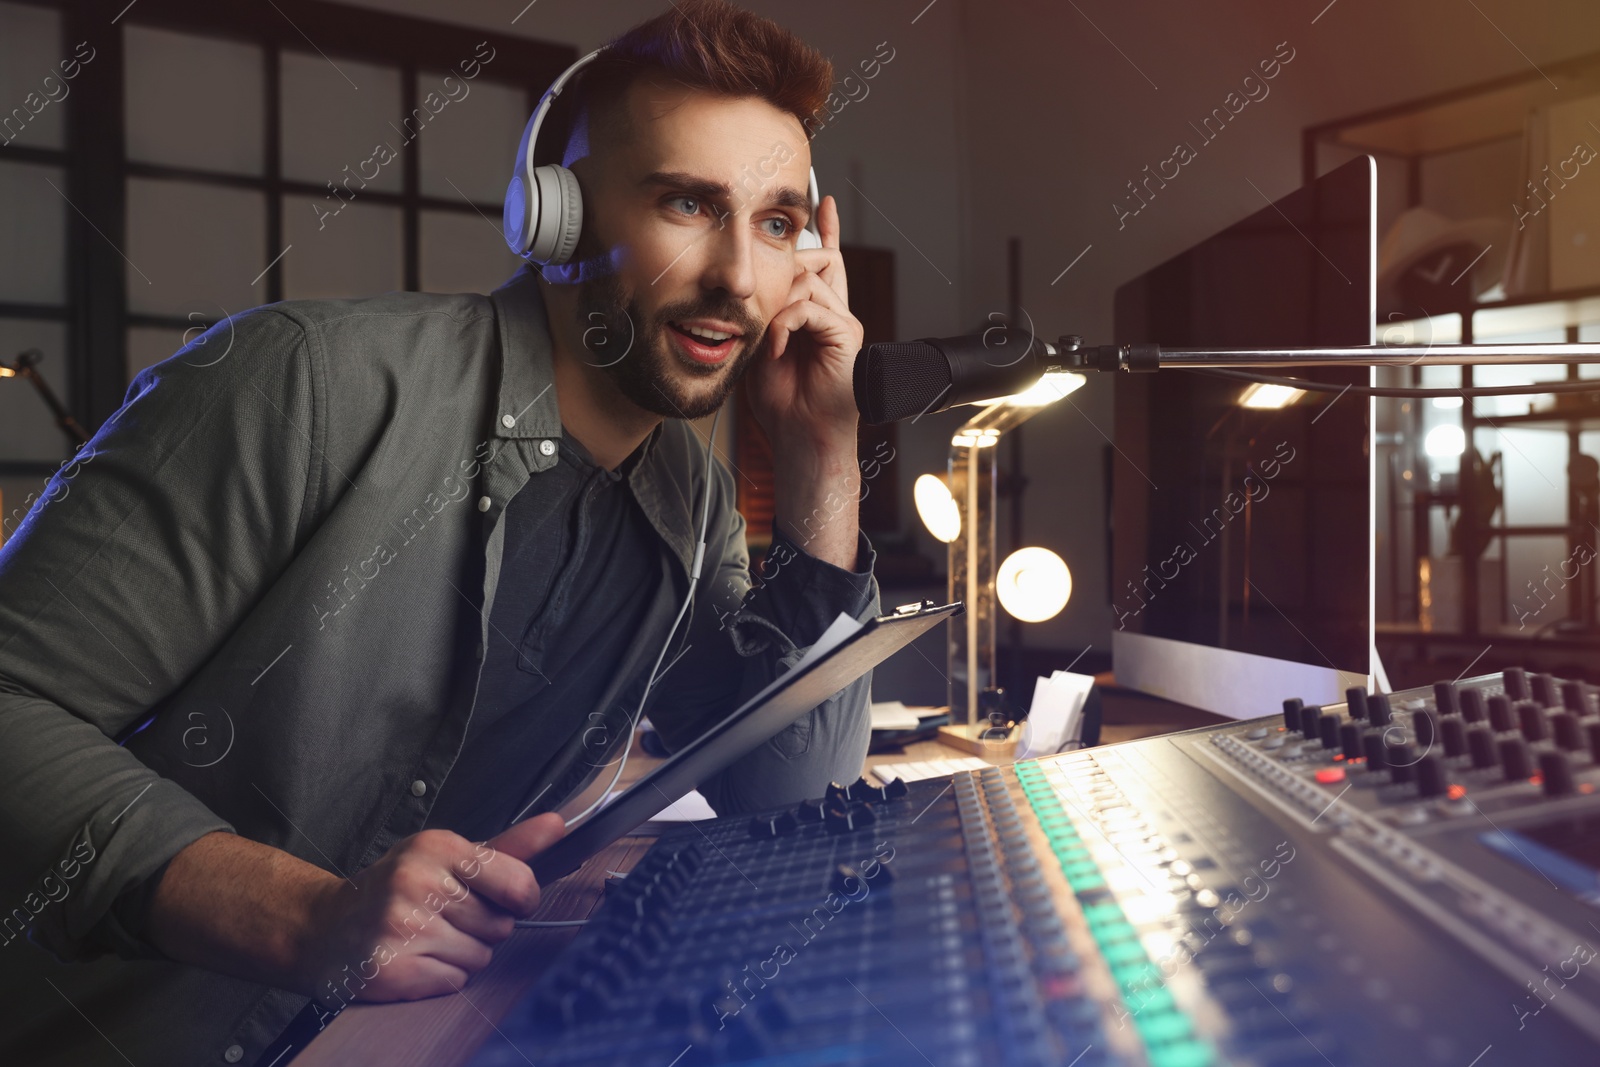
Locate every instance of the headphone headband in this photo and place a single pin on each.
(543, 211)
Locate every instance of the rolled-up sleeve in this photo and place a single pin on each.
(743, 636)
(140, 558)
(802, 595)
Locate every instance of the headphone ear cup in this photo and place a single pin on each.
(514, 217)
(571, 215)
(809, 236)
(559, 216)
(521, 203)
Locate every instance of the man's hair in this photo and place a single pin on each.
(708, 46)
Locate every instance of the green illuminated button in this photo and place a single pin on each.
(1182, 1054)
(1117, 952)
(1102, 912)
(1156, 998)
(1161, 1027)
(1113, 930)
(1140, 976)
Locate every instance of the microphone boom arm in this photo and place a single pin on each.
(1072, 354)
(904, 380)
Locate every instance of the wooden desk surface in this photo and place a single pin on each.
(446, 1031)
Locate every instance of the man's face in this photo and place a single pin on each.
(691, 221)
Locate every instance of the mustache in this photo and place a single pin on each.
(724, 308)
(613, 324)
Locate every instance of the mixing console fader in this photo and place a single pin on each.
(1402, 879)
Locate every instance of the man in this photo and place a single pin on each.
(351, 585)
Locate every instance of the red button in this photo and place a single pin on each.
(1330, 775)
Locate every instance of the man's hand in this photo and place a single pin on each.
(800, 387)
(800, 391)
(425, 917)
(418, 922)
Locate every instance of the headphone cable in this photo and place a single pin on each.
(694, 577)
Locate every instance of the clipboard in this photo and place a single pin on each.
(751, 725)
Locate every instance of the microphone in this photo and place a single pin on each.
(906, 379)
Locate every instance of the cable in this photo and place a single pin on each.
(1540, 389)
(536, 924)
(694, 577)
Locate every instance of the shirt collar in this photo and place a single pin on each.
(527, 377)
(573, 449)
(526, 404)
(528, 397)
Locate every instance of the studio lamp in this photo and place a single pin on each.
(936, 507)
(959, 509)
(1034, 584)
(1264, 397)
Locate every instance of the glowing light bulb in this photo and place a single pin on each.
(1445, 441)
(937, 508)
(1034, 584)
(1262, 396)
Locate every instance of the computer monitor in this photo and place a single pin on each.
(1242, 559)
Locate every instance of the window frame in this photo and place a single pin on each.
(97, 169)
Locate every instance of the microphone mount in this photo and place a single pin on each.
(26, 366)
(1073, 354)
(903, 380)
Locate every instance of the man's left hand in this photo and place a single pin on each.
(800, 389)
(800, 386)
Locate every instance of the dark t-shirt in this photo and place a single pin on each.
(577, 556)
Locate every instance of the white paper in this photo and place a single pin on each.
(690, 807)
(837, 631)
(893, 715)
(1056, 715)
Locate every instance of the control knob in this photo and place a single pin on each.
(1514, 757)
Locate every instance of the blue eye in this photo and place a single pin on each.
(785, 228)
(694, 205)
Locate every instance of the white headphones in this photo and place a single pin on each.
(543, 211)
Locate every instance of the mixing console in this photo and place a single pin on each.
(1403, 879)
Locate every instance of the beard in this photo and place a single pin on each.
(637, 354)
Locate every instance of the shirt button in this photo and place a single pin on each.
(508, 421)
(547, 448)
(483, 503)
(418, 787)
(234, 1053)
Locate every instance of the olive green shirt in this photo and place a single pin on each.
(258, 603)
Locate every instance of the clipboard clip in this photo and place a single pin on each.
(921, 606)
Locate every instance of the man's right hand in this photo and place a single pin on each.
(418, 922)
(425, 917)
